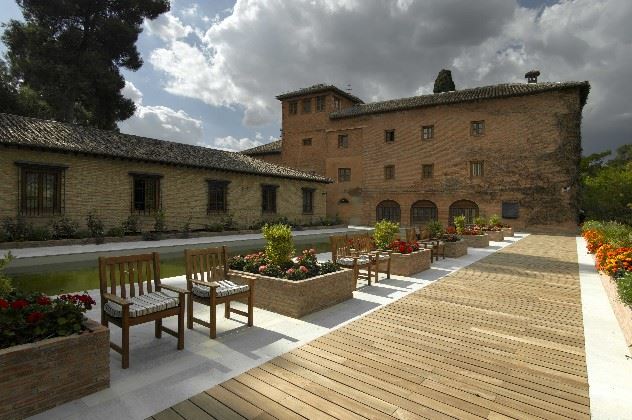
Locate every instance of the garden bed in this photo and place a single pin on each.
(622, 311)
(38, 376)
(476, 241)
(455, 249)
(297, 298)
(508, 232)
(409, 264)
(495, 235)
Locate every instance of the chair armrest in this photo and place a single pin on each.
(210, 284)
(174, 288)
(116, 299)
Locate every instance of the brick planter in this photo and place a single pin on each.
(299, 298)
(455, 249)
(476, 241)
(622, 311)
(507, 232)
(495, 235)
(37, 376)
(409, 264)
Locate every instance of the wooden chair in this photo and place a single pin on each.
(208, 283)
(127, 274)
(365, 245)
(343, 254)
(411, 234)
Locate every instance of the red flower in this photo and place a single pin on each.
(4, 304)
(43, 300)
(19, 304)
(34, 317)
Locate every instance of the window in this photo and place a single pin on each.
(268, 198)
(307, 106)
(293, 107)
(41, 189)
(466, 208)
(389, 136)
(343, 141)
(476, 168)
(344, 174)
(477, 128)
(336, 104)
(307, 142)
(388, 210)
(320, 103)
(146, 193)
(308, 200)
(343, 201)
(427, 132)
(389, 172)
(422, 212)
(427, 171)
(510, 209)
(217, 196)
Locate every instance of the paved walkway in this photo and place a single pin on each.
(500, 338)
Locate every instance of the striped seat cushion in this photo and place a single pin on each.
(348, 261)
(143, 305)
(384, 256)
(225, 288)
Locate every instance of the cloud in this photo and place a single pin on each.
(168, 27)
(390, 49)
(160, 122)
(233, 144)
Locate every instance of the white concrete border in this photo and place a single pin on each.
(607, 357)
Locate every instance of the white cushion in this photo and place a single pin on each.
(384, 256)
(225, 288)
(348, 261)
(143, 305)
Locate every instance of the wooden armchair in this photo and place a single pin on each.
(343, 254)
(133, 275)
(365, 245)
(208, 283)
(437, 246)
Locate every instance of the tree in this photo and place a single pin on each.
(623, 156)
(590, 165)
(443, 82)
(68, 54)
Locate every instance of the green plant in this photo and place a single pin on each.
(186, 227)
(279, 243)
(459, 223)
(384, 233)
(215, 227)
(328, 267)
(131, 225)
(435, 228)
(116, 231)
(16, 230)
(5, 282)
(64, 228)
(228, 223)
(495, 220)
(624, 287)
(480, 221)
(41, 233)
(159, 221)
(95, 225)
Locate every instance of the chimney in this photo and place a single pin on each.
(532, 76)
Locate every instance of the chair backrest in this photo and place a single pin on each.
(424, 234)
(411, 234)
(206, 264)
(362, 243)
(133, 274)
(340, 247)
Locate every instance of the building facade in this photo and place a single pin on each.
(50, 170)
(511, 150)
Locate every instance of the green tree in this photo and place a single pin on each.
(444, 82)
(622, 156)
(608, 194)
(591, 165)
(68, 55)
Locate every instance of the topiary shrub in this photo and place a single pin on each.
(279, 243)
(95, 225)
(64, 228)
(480, 221)
(495, 220)
(159, 221)
(459, 223)
(130, 225)
(384, 233)
(435, 228)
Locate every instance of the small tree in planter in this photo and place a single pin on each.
(384, 233)
(459, 223)
(435, 228)
(279, 244)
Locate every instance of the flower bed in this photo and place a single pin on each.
(407, 259)
(621, 309)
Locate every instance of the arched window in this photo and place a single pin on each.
(466, 208)
(388, 210)
(422, 212)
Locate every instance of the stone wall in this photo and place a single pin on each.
(495, 235)
(455, 249)
(409, 264)
(476, 241)
(38, 376)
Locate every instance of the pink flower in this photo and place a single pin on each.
(312, 251)
(303, 269)
(262, 268)
(290, 271)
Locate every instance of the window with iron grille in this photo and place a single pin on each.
(145, 193)
(466, 208)
(307, 106)
(427, 132)
(388, 210)
(308, 200)
(389, 136)
(307, 142)
(344, 174)
(477, 168)
(217, 196)
(41, 189)
(343, 141)
(427, 171)
(422, 212)
(477, 128)
(389, 172)
(269, 198)
(320, 103)
(293, 107)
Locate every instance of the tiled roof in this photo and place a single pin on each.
(321, 87)
(465, 95)
(62, 137)
(264, 149)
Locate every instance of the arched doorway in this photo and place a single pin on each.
(466, 208)
(423, 212)
(388, 210)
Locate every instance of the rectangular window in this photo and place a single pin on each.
(41, 189)
(344, 174)
(268, 198)
(476, 168)
(389, 136)
(307, 142)
(510, 209)
(427, 171)
(343, 141)
(389, 172)
(308, 200)
(320, 103)
(307, 106)
(477, 128)
(336, 104)
(293, 107)
(217, 196)
(146, 193)
(427, 132)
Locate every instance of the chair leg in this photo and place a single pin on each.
(181, 326)
(388, 268)
(189, 311)
(227, 309)
(250, 309)
(369, 274)
(213, 320)
(125, 346)
(356, 274)
(158, 328)
(377, 269)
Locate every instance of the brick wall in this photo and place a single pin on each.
(104, 185)
(38, 376)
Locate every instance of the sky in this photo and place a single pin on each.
(212, 69)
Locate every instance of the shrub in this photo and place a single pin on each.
(130, 225)
(480, 221)
(624, 287)
(186, 227)
(228, 223)
(328, 267)
(82, 234)
(117, 231)
(95, 225)
(495, 220)
(459, 223)
(16, 230)
(384, 233)
(279, 243)
(5, 282)
(215, 227)
(159, 221)
(435, 228)
(64, 228)
(41, 233)
(26, 318)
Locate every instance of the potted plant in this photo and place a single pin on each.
(407, 258)
(455, 246)
(472, 235)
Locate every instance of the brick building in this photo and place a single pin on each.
(50, 169)
(508, 149)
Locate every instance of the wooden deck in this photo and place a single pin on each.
(502, 338)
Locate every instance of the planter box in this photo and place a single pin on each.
(299, 298)
(409, 264)
(495, 235)
(507, 232)
(37, 376)
(622, 311)
(455, 249)
(476, 241)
